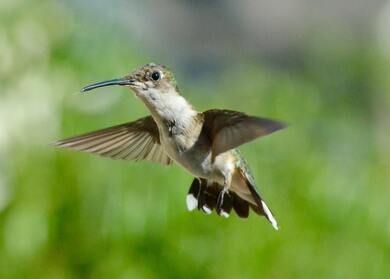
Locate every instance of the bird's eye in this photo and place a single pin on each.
(156, 75)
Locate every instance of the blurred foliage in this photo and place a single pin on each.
(70, 215)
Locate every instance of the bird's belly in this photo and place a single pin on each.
(195, 159)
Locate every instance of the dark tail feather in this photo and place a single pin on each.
(241, 206)
(261, 207)
(204, 196)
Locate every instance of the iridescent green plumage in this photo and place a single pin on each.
(242, 164)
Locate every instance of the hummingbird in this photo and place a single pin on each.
(204, 143)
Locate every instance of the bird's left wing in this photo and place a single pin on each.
(138, 140)
(228, 129)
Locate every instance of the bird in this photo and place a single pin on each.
(205, 143)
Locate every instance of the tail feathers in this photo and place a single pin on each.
(261, 207)
(203, 195)
(268, 214)
(241, 206)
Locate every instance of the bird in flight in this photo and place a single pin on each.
(203, 143)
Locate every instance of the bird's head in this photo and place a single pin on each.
(146, 81)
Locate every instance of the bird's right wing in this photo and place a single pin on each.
(138, 140)
(229, 129)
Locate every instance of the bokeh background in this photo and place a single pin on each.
(321, 66)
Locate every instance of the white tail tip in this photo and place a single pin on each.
(192, 202)
(224, 214)
(269, 216)
(206, 210)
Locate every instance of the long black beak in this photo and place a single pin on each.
(118, 81)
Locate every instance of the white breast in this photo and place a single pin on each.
(184, 145)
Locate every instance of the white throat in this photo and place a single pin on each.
(169, 106)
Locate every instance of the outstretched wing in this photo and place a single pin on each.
(228, 129)
(138, 140)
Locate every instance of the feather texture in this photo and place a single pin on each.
(229, 129)
(138, 140)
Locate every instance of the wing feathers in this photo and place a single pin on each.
(228, 129)
(138, 140)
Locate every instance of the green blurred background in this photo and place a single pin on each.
(321, 66)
